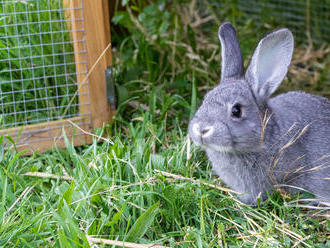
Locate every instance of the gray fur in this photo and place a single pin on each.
(280, 141)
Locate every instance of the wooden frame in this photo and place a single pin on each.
(94, 109)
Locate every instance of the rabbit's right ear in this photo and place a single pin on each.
(232, 63)
(270, 62)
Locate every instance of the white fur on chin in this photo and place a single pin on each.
(224, 149)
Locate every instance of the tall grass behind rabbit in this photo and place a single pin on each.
(255, 142)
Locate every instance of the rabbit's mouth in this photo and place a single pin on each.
(217, 148)
(204, 144)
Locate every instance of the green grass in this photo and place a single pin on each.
(147, 183)
(114, 183)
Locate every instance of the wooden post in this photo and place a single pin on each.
(95, 21)
(74, 15)
(97, 35)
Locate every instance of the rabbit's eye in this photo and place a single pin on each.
(236, 111)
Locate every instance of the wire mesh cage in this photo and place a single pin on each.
(37, 63)
(47, 51)
(309, 19)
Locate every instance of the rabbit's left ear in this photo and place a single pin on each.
(232, 62)
(270, 62)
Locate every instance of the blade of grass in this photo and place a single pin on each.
(142, 224)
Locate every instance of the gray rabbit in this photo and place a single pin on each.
(256, 143)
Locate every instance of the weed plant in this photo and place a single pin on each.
(147, 184)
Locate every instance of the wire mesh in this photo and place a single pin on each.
(38, 78)
(308, 19)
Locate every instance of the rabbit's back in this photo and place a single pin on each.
(298, 105)
(308, 118)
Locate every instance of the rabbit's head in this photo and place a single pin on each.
(231, 116)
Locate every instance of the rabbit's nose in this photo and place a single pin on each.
(202, 131)
(207, 131)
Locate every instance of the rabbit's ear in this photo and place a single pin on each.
(232, 63)
(270, 62)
